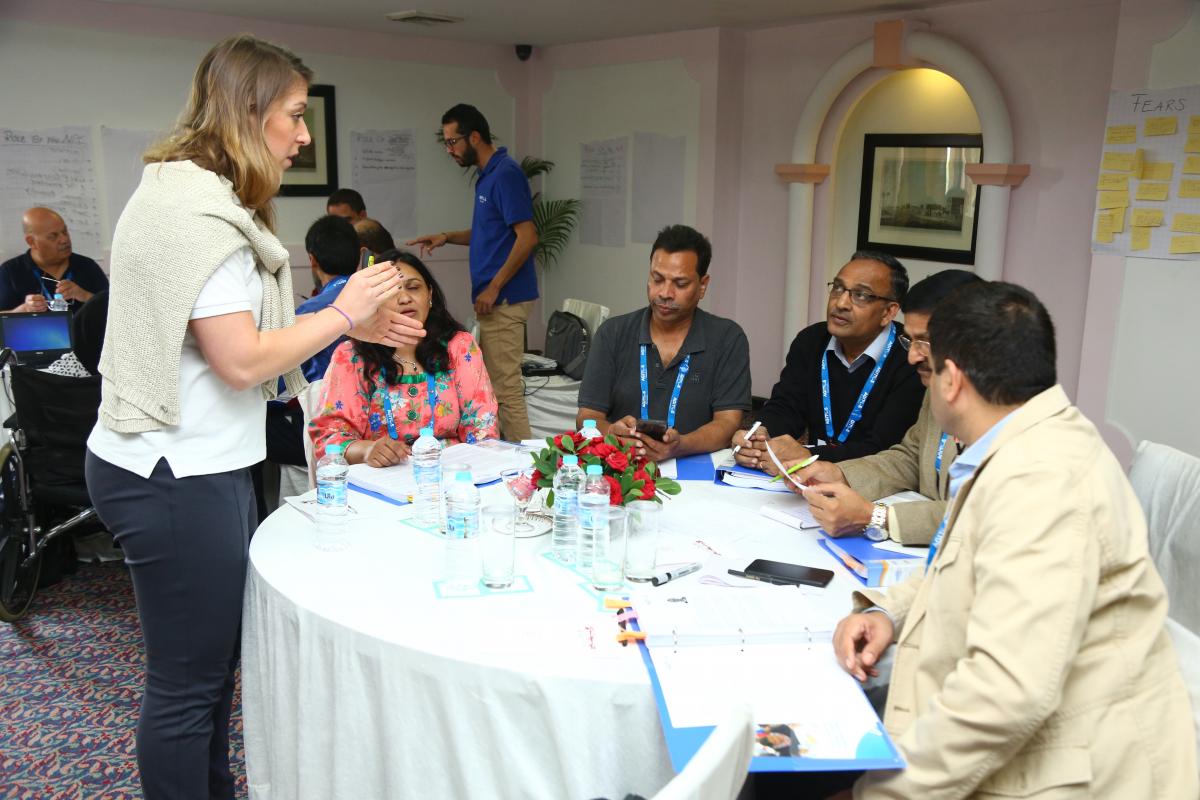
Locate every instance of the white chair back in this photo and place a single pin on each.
(1167, 482)
(1187, 648)
(592, 314)
(309, 399)
(718, 769)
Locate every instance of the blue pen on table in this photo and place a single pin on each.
(667, 577)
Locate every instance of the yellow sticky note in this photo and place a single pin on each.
(1185, 244)
(1118, 161)
(1162, 126)
(1104, 235)
(1147, 217)
(1121, 134)
(1186, 223)
(1139, 159)
(1110, 222)
(1193, 143)
(1189, 188)
(1158, 171)
(1191, 165)
(1113, 200)
(1113, 182)
(1139, 239)
(1193, 124)
(1152, 191)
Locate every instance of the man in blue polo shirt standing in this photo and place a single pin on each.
(501, 241)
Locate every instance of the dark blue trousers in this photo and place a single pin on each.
(186, 542)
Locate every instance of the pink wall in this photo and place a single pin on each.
(1051, 59)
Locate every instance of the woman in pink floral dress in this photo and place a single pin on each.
(376, 399)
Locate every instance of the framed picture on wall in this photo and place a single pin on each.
(917, 201)
(314, 171)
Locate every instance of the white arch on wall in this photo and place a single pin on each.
(995, 125)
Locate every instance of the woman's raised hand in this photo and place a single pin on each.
(367, 290)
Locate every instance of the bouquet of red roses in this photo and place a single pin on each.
(629, 477)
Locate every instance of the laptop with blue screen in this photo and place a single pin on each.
(37, 339)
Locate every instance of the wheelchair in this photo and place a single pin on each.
(44, 494)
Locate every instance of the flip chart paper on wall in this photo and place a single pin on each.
(52, 167)
(1152, 191)
(658, 168)
(1164, 162)
(1147, 217)
(383, 167)
(1162, 126)
(602, 192)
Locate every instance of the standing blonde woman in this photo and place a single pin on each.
(200, 326)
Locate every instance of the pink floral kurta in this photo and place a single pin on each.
(466, 404)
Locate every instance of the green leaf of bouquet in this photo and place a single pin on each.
(550, 499)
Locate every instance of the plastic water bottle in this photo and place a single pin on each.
(567, 483)
(59, 303)
(331, 499)
(592, 499)
(589, 430)
(462, 532)
(427, 472)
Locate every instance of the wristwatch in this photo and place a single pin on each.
(876, 529)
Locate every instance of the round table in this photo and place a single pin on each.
(358, 681)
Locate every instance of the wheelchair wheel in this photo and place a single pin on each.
(18, 574)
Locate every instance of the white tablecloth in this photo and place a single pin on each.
(552, 402)
(357, 682)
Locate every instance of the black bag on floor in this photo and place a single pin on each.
(567, 343)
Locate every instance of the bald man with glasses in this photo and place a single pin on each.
(847, 389)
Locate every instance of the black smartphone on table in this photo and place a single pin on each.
(789, 574)
(654, 428)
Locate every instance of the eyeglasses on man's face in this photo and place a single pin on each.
(857, 296)
(452, 141)
(920, 346)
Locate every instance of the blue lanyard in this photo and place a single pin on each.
(937, 463)
(856, 412)
(644, 377)
(387, 407)
(937, 539)
(42, 283)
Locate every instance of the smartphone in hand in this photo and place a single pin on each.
(654, 428)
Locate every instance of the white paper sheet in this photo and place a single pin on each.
(52, 167)
(602, 192)
(384, 170)
(658, 165)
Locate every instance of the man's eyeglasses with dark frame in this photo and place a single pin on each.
(857, 296)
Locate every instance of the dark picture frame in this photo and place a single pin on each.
(314, 171)
(917, 200)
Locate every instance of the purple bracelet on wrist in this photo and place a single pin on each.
(349, 321)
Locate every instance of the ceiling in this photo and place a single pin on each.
(543, 22)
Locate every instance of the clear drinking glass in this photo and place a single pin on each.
(641, 551)
(520, 485)
(497, 545)
(608, 557)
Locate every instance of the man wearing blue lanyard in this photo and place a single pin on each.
(30, 281)
(672, 362)
(1031, 655)
(920, 462)
(846, 389)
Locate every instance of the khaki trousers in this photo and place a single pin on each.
(502, 340)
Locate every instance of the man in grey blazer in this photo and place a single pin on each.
(844, 493)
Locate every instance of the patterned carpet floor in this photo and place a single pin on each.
(70, 688)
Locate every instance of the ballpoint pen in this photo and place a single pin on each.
(667, 577)
(749, 433)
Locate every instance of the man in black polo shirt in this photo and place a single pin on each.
(847, 385)
(30, 281)
(696, 365)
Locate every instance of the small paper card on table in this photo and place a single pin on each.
(445, 590)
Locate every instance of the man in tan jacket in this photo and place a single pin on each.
(1031, 659)
(842, 500)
